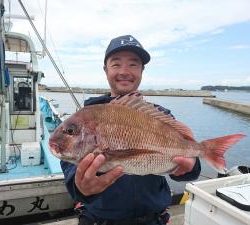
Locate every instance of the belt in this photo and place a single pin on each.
(134, 221)
(158, 218)
(143, 220)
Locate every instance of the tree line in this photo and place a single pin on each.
(223, 88)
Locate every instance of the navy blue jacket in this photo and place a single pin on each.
(131, 195)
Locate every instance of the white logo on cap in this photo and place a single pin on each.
(130, 42)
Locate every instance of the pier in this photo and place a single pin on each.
(178, 93)
(145, 92)
(230, 105)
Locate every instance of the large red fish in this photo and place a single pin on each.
(135, 134)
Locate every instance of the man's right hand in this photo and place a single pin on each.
(86, 180)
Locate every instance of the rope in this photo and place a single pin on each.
(50, 57)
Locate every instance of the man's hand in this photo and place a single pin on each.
(184, 165)
(86, 180)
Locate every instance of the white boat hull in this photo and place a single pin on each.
(33, 196)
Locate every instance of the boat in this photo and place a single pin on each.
(31, 179)
(220, 201)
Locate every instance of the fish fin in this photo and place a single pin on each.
(135, 100)
(126, 153)
(128, 99)
(215, 149)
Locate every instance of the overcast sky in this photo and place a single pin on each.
(192, 42)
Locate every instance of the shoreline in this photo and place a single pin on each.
(173, 93)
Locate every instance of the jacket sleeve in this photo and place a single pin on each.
(192, 175)
(69, 171)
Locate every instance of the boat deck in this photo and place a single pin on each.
(17, 171)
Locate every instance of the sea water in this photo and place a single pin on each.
(206, 122)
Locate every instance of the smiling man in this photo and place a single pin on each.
(124, 63)
(114, 198)
(124, 72)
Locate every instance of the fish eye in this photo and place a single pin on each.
(71, 130)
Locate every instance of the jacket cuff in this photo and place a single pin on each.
(192, 175)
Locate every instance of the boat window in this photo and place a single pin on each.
(22, 94)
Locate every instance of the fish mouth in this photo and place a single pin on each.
(57, 151)
(55, 147)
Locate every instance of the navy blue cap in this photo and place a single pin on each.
(129, 43)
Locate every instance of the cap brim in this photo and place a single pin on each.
(143, 54)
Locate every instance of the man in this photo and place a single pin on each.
(115, 198)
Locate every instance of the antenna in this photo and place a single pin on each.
(45, 27)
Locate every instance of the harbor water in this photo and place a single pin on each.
(205, 121)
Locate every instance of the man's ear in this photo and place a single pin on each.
(143, 67)
(104, 68)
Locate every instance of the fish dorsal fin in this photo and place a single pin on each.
(135, 100)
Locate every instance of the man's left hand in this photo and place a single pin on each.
(184, 165)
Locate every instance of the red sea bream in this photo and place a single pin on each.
(135, 134)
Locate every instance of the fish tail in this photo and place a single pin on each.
(215, 149)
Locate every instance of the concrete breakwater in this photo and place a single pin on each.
(178, 93)
(166, 92)
(231, 105)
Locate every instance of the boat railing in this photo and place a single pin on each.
(51, 118)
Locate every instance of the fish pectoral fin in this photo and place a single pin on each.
(127, 153)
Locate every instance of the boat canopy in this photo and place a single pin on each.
(16, 42)
(16, 45)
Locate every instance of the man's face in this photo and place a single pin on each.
(124, 72)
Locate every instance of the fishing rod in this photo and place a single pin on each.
(50, 57)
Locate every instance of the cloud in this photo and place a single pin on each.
(79, 31)
(156, 22)
(218, 31)
(240, 46)
(245, 81)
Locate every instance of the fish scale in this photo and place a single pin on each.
(144, 133)
(136, 135)
(138, 125)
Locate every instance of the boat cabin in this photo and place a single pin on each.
(21, 72)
